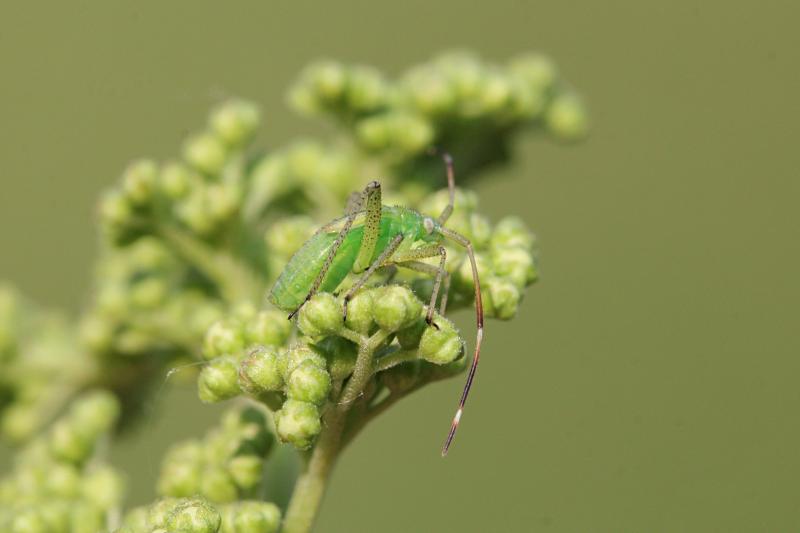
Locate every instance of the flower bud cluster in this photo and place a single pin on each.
(58, 483)
(201, 191)
(226, 465)
(505, 254)
(197, 515)
(33, 369)
(453, 96)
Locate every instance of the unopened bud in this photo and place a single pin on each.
(298, 423)
(224, 337)
(206, 153)
(260, 371)
(235, 121)
(218, 380)
(440, 345)
(309, 383)
(395, 307)
(194, 516)
(320, 316)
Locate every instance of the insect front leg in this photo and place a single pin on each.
(409, 259)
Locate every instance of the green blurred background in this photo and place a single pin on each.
(650, 382)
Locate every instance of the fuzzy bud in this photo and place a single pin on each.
(359, 312)
(268, 328)
(298, 354)
(395, 307)
(246, 471)
(566, 117)
(218, 485)
(235, 121)
(224, 337)
(501, 298)
(511, 232)
(440, 346)
(309, 383)
(194, 516)
(298, 423)
(218, 380)
(205, 152)
(139, 182)
(256, 517)
(175, 180)
(515, 264)
(70, 444)
(104, 488)
(261, 371)
(320, 316)
(341, 355)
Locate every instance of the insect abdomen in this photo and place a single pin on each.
(294, 283)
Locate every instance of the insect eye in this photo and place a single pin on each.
(428, 224)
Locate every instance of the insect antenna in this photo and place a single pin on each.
(463, 241)
(451, 183)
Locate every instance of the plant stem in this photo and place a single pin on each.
(310, 487)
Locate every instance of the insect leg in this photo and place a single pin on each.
(371, 202)
(385, 254)
(463, 241)
(408, 260)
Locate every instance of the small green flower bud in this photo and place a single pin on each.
(395, 307)
(495, 92)
(194, 516)
(235, 121)
(320, 316)
(366, 89)
(268, 328)
(296, 355)
(298, 423)
(359, 313)
(63, 480)
(286, 236)
(412, 133)
(104, 488)
(159, 512)
(218, 485)
(175, 180)
(224, 337)
(502, 298)
(256, 517)
(537, 70)
(566, 117)
(179, 478)
(139, 182)
(430, 91)
(440, 346)
(516, 264)
(193, 212)
(56, 514)
(19, 421)
(115, 210)
(328, 79)
(246, 471)
(222, 200)
(462, 278)
(206, 153)
(261, 371)
(512, 232)
(95, 412)
(69, 444)
(309, 383)
(341, 355)
(218, 380)
(480, 231)
(374, 133)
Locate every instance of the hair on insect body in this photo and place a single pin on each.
(383, 236)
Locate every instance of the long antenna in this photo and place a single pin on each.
(463, 241)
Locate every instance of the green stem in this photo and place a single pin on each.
(310, 487)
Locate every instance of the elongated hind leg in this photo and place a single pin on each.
(371, 191)
(379, 262)
(409, 259)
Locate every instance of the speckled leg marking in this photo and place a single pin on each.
(379, 262)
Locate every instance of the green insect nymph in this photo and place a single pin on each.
(371, 236)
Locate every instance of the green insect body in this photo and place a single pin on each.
(372, 236)
(296, 280)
